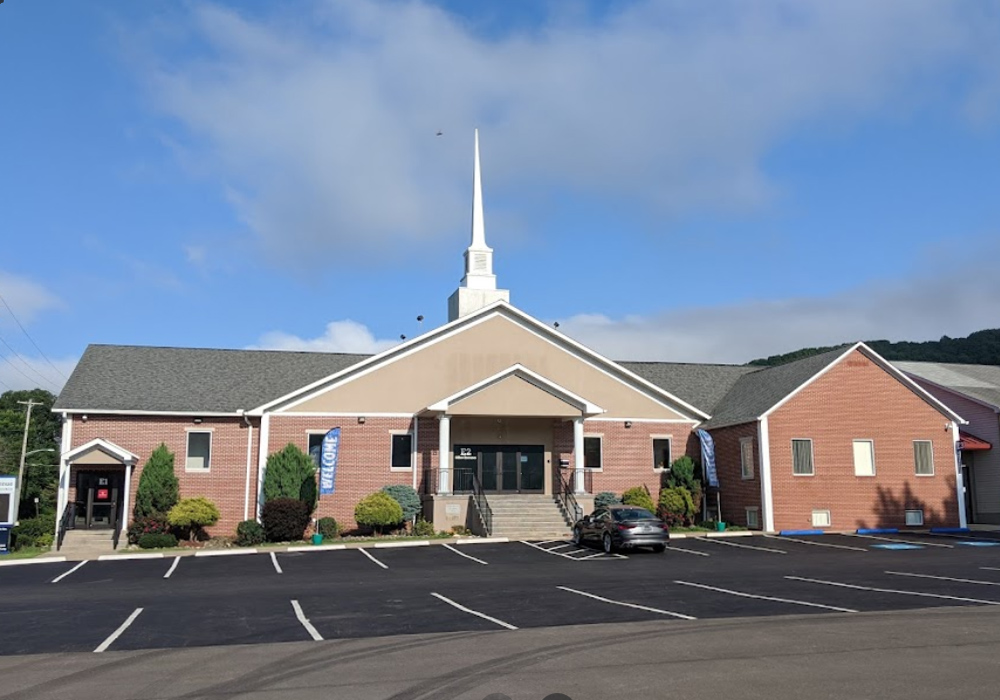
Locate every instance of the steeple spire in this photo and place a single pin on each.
(479, 285)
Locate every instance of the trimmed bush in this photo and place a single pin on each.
(157, 541)
(151, 525)
(407, 498)
(285, 519)
(606, 498)
(158, 490)
(291, 473)
(249, 533)
(328, 527)
(378, 511)
(193, 515)
(31, 532)
(638, 496)
(422, 528)
(676, 506)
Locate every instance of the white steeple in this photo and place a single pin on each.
(479, 285)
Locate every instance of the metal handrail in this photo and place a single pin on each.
(568, 499)
(118, 525)
(64, 524)
(482, 505)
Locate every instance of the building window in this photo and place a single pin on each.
(923, 457)
(821, 518)
(746, 457)
(402, 451)
(661, 454)
(315, 448)
(592, 453)
(199, 451)
(802, 457)
(914, 518)
(864, 458)
(753, 518)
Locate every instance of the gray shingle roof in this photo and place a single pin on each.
(754, 393)
(702, 386)
(130, 378)
(978, 381)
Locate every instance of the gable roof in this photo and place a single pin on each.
(121, 378)
(981, 382)
(703, 386)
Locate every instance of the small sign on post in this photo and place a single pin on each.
(8, 510)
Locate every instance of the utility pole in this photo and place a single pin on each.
(24, 451)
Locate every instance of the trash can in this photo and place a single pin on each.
(720, 526)
(317, 538)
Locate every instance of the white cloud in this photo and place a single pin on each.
(321, 123)
(26, 297)
(340, 336)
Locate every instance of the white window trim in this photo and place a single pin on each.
(413, 442)
(756, 512)
(812, 457)
(829, 517)
(599, 436)
(913, 510)
(187, 449)
(747, 476)
(652, 441)
(933, 469)
(871, 443)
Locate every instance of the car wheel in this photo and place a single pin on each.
(609, 546)
(577, 535)
(659, 547)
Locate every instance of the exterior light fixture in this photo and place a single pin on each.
(197, 420)
(361, 420)
(628, 424)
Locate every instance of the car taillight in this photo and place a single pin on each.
(625, 526)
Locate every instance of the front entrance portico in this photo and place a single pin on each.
(94, 486)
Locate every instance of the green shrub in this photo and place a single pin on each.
(291, 473)
(285, 519)
(676, 507)
(685, 473)
(193, 515)
(328, 527)
(606, 498)
(378, 511)
(158, 490)
(157, 541)
(407, 498)
(150, 525)
(638, 496)
(31, 532)
(45, 540)
(422, 528)
(249, 533)
(461, 531)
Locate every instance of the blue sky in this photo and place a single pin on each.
(679, 181)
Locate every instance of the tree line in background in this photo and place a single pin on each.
(979, 348)
(41, 471)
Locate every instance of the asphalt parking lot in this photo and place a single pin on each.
(174, 602)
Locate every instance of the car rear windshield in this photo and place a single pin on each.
(633, 514)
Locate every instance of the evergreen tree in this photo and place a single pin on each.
(291, 473)
(158, 490)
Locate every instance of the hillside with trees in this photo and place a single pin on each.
(979, 348)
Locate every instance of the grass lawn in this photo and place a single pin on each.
(26, 553)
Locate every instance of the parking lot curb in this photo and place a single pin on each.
(224, 552)
(37, 560)
(118, 557)
(710, 533)
(318, 548)
(393, 545)
(483, 540)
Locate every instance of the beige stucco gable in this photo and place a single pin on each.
(448, 364)
(513, 396)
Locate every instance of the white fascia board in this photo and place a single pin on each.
(110, 448)
(441, 333)
(115, 412)
(803, 385)
(527, 375)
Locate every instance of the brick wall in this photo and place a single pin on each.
(737, 494)
(857, 399)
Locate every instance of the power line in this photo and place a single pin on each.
(25, 362)
(18, 369)
(11, 311)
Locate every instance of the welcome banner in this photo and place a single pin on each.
(328, 462)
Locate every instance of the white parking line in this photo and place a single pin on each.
(550, 541)
(891, 590)
(60, 577)
(277, 566)
(944, 578)
(743, 546)
(177, 560)
(564, 545)
(365, 552)
(627, 605)
(548, 551)
(118, 632)
(990, 568)
(452, 603)
(688, 551)
(765, 597)
(894, 539)
(816, 544)
(463, 554)
(317, 637)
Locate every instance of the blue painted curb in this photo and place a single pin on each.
(788, 533)
(950, 530)
(878, 531)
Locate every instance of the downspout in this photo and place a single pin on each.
(246, 488)
(262, 439)
(766, 493)
(963, 520)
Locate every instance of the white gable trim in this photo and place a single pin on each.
(109, 448)
(884, 364)
(500, 308)
(527, 375)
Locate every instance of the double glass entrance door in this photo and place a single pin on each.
(98, 498)
(501, 468)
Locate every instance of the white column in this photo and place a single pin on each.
(766, 493)
(578, 483)
(444, 454)
(65, 445)
(262, 439)
(963, 518)
(128, 491)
